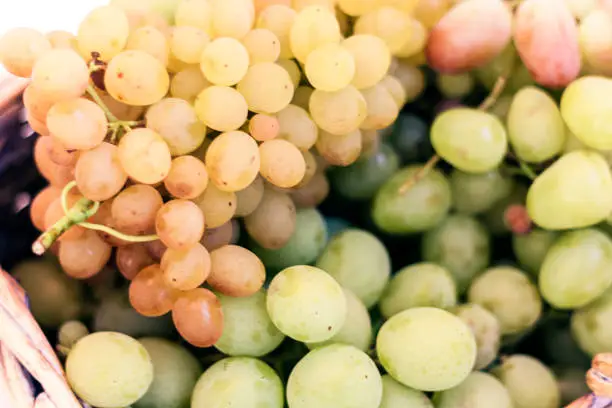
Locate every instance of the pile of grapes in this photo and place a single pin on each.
(323, 203)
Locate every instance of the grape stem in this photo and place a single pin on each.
(115, 124)
(94, 95)
(423, 171)
(527, 171)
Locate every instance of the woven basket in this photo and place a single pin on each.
(26, 355)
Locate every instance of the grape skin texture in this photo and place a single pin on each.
(531, 249)
(396, 395)
(486, 331)
(589, 325)
(479, 390)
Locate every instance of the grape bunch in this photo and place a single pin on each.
(324, 203)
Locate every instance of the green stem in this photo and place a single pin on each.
(117, 234)
(527, 170)
(94, 95)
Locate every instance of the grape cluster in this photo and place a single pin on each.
(194, 145)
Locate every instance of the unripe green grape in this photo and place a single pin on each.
(396, 395)
(530, 249)
(70, 333)
(590, 325)
(486, 330)
(454, 86)
(479, 390)
(477, 193)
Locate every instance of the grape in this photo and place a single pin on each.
(149, 294)
(250, 197)
(264, 127)
(77, 124)
(340, 150)
(57, 175)
(594, 40)
(145, 156)
(396, 395)
(232, 18)
(84, 256)
(547, 41)
(241, 382)
(356, 8)
(495, 217)
(509, 295)
(262, 45)
(60, 155)
(187, 43)
(529, 382)
(187, 178)
(335, 376)
(358, 261)
(486, 330)
(136, 78)
(461, 244)
(472, 141)
(55, 212)
(121, 110)
(151, 40)
(217, 206)
(20, 48)
(109, 369)
(422, 207)
(589, 328)
(186, 269)
(576, 269)
(233, 161)
(70, 333)
(61, 39)
(418, 285)
(60, 74)
(194, 13)
(104, 30)
(215, 238)
(412, 79)
(390, 24)
(455, 86)
(336, 225)
(40, 203)
(582, 175)
(131, 259)
(479, 390)
(221, 108)
(179, 224)
(198, 317)
(296, 126)
(382, 110)
(313, 193)
(478, 193)
(535, 128)
(36, 103)
(236, 271)
(330, 67)
(248, 330)
(134, 209)
(176, 373)
(279, 19)
(340, 112)
(426, 348)
(313, 27)
(224, 61)
(470, 35)
(188, 83)
(396, 89)
(266, 87)
(54, 298)
(410, 138)
(282, 164)
(304, 246)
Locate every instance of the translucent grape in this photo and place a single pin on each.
(77, 123)
(151, 40)
(109, 369)
(187, 178)
(262, 45)
(136, 78)
(60, 155)
(313, 193)
(188, 83)
(279, 19)
(396, 89)
(187, 43)
(217, 237)
(282, 164)
(313, 26)
(198, 317)
(330, 67)
(390, 24)
(156, 249)
(149, 294)
(248, 330)
(296, 126)
(36, 103)
(323, 379)
(382, 109)
(38, 126)
(396, 395)
(239, 381)
(250, 197)
(266, 87)
(61, 39)
(145, 156)
(233, 161)
(179, 224)
(221, 108)
(426, 348)
(232, 18)
(186, 269)
(98, 173)
(479, 390)
(134, 209)
(131, 259)
(60, 74)
(40, 204)
(20, 48)
(264, 127)
(594, 40)
(272, 223)
(477, 193)
(372, 59)
(236, 271)
(589, 328)
(218, 206)
(486, 330)
(104, 30)
(85, 256)
(340, 150)
(412, 79)
(530, 249)
(70, 333)
(194, 13)
(339, 112)
(224, 61)
(311, 168)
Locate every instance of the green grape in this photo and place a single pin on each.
(426, 348)
(176, 372)
(306, 304)
(111, 370)
(455, 86)
(531, 248)
(396, 395)
(304, 246)
(362, 179)
(584, 107)
(243, 382)
(359, 261)
(495, 219)
(335, 376)
(54, 297)
(479, 390)
(471, 140)
(530, 383)
(486, 330)
(357, 328)
(510, 296)
(500, 65)
(247, 328)
(422, 284)
(420, 208)
(574, 192)
(577, 269)
(535, 127)
(590, 325)
(477, 193)
(461, 245)
(70, 333)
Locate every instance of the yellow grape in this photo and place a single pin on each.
(357, 8)
(340, 150)
(36, 104)
(56, 174)
(221, 108)
(179, 224)
(175, 65)
(224, 61)
(455, 86)
(415, 46)
(188, 43)
(149, 294)
(217, 237)
(301, 96)
(20, 48)
(99, 174)
(582, 8)
(330, 67)
(279, 19)
(176, 121)
(187, 178)
(104, 30)
(311, 168)
(232, 161)
(264, 127)
(261, 5)
(390, 24)
(236, 271)
(42, 201)
(150, 40)
(249, 198)
(313, 27)
(429, 12)
(60, 74)
(313, 193)
(595, 36)
(299, 5)
(62, 39)
(267, 88)
(297, 127)
(372, 59)
(136, 78)
(339, 112)
(77, 124)
(272, 223)
(232, 18)
(188, 83)
(186, 269)
(217, 206)
(194, 13)
(145, 156)
(85, 256)
(144, 17)
(282, 164)
(382, 108)
(412, 79)
(407, 6)
(134, 209)
(292, 69)
(395, 88)
(262, 45)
